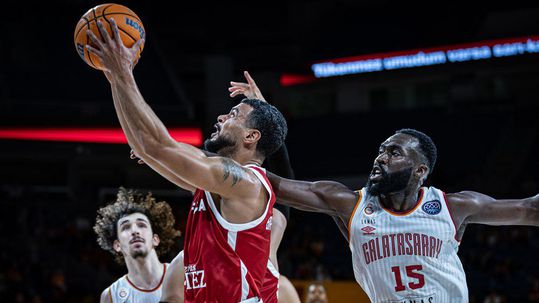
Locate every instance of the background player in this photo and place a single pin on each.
(229, 224)
(316, 293)
(136, 229)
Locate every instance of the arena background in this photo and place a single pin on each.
(482, 114)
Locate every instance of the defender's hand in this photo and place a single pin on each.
(249, 89)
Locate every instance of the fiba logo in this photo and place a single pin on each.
(433, 207)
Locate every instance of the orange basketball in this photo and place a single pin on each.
(129, 26)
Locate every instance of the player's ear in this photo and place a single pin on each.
(156, 240)
(116, 246)
(422, 172)
(252, 135)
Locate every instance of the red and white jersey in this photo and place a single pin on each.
(226, 262)
(270, 287)
(407, 257)
(123, 291)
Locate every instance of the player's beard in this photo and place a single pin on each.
(221, 145)
(390, 183)
(139, 253)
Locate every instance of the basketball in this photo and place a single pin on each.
(129, 26)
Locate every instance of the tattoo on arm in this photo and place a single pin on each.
(231, 168)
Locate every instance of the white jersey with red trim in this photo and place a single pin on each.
(123, 291)
(407, 257)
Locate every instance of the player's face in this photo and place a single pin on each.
(135, 236)
(229, 130)
(316, 294)
(394, 166)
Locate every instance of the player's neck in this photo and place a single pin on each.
(401, 201)
(245, 157)
(145, 273)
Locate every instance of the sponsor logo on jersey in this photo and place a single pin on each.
(123, 293)
(194, 278)
(369, 210)
(368, 230)
(433, 207)
(427, 299)
(370, 221)
(199, 207)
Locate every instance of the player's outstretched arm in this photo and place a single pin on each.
(329, 197)
(149, 138)
(473, 207)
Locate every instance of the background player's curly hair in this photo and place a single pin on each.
(129, 202)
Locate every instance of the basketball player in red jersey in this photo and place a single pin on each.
(394, 225)
(276, 288)
(227, 237)
(275, 285)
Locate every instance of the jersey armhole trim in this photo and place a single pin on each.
(451, 215)
(360, 197)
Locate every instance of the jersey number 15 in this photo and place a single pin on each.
(411, 272)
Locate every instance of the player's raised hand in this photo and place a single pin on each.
(114, 55)
(249, 89)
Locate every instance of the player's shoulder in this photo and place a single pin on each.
(106, 296)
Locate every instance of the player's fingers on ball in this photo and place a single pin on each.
(94, 51)
(138, 45)
(94, 39)
(115, 31)
(140, 162)
(104, 34)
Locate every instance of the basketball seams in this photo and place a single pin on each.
(88, 52)
(82, 27)
(86, 25)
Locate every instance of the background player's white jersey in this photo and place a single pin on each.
(123, 291)
(407, 257)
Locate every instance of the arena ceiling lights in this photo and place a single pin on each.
(191, 136)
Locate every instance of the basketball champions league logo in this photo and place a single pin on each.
(433, 207)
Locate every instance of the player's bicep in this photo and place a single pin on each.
(482, 209)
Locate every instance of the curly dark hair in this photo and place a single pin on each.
(269, 121)
(427, 146)
(129, 202)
